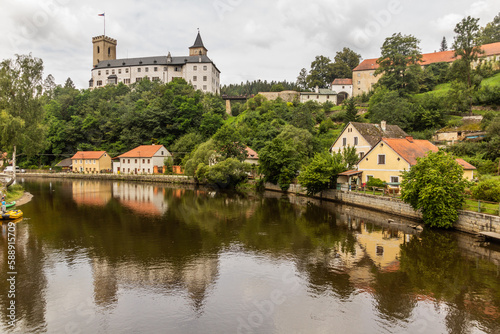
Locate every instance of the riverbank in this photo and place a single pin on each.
(469, 222)
(26, 198)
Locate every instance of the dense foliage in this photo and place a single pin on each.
(435, 185)
(256, 86)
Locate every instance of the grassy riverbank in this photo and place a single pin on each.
(14, 192)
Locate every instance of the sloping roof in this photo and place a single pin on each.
(464, 164)
(251, 154)
(351, 172)
(321, 91)
(88, 155)
(143, 151)
(344, 81)
(410, 149)
(373, 132)
(434, 57)
(198, 43)
(65, 163)
(151, 61)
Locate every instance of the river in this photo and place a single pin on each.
(118, 257)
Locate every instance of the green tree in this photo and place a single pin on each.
(400, 64)
(388, 106)
(467, 49)
(277, 88)
(184, 145)
(21, 111)
(435, 185)
(225, 174)
(302, 79)
(351, 113)
(321, 172)
(491, 32)
(444, 45)
(228, 143)
(344, 62)
(204, 154)
(321, 73)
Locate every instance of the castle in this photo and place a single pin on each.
(196, 68)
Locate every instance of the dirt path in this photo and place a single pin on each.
(24, 199)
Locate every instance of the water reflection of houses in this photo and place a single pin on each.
(91, 192)
(144, 199)
(194, 277)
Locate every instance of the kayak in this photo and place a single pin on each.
(11, 214)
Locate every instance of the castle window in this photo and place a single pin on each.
(177, 69)
(98, 72)
(195, 87)
(98, 50)
(204, 87)
(204, 78)
(138, 79)
(195, 68)
(204, 67)
(112, 71)
(126, 70)
(147, 69)
(195, 78)
(165, 68)
(155, 78)
(99, 82)
(107, 72)
(109, 51)
(126, 81)
(119, 71)
(156, 69)
(139, 70)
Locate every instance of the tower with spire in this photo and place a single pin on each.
(198, 49)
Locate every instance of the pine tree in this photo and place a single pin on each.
(444, 45)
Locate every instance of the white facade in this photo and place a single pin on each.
(135, 162)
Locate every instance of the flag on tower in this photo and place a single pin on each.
(100, 14)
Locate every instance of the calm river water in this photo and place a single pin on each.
(116, 257)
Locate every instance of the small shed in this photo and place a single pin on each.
(346, 180)
(66, 165)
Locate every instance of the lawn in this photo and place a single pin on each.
(492, 81)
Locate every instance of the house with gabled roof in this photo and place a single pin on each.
(343, 87)
(144, 159)
(390, 156)
(91, 162)
(363, 136)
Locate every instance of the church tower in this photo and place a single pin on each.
(198, 49)
(104, 49)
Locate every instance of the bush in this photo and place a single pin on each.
(375, 183)
(487, 190)
(338, 116)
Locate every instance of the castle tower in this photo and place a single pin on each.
(104, 49)
(198, 49)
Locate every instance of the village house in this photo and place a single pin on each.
(470, 129)
(343, 87)
(390, 156)
(144, 159)
(363, 76)
(91, 162)
(320, 95)
(363, 136)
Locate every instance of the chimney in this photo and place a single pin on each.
(316, 89)
(383, 125)
(410, 139)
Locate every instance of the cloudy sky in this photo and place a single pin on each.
(248, 40)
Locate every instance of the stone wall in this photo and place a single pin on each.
(122, 177)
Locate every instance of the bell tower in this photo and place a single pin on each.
(198, 49)
(104, 49)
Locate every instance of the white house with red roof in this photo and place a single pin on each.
(144, 159)
(91, 162)
(343, 87)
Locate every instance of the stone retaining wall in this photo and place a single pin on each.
(123, 177)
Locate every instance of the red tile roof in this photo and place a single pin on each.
(143, 151)
(434, 57)
(88, 155)
(410, 149)
(344, 81)
(464, 164)
(251, 154)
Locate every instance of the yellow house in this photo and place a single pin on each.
(390, 156)
(91, 162)
(363, 136)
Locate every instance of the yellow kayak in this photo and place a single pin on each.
(11, 214)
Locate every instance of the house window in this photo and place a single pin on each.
(112, 71)
(355, 140)
(126, 70)
(161, 152)
(195, 68)
(139, 70)
(359, 74)
(394, 179)
(361, 154)
(119, 71)
(147, 69)
(176, 69)
(195, 78)
(204, 78)
(126, 81)
(368, 177)
(204, 67)
(99, 82)
(107, 72)
(359, 82)
(135, 160)
(344, 141)
(143, 160)
(128, 160)
(381, 159)
(156, 69)
(123, 162)
(149, 160)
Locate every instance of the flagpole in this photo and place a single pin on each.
(104, 24)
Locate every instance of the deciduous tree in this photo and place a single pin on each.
(435, 185)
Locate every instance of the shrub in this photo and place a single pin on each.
(375, 183)
(487, 190)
